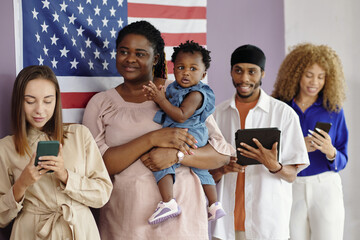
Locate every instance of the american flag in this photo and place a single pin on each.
(76, 38)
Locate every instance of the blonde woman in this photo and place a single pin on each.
(311, 81)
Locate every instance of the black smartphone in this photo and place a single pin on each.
(46, 148)
(325, 126)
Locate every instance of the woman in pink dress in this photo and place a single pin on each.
(133, 145)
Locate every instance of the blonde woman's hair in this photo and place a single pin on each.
(301, 57)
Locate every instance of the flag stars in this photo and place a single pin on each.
(105, 65)
(73, 41)
(56, 17)
(54, 40)
(74, 64)
(88, 1)
(104, 2)
(80, 31)
(90, 21)
(82, 53)
(97, 54)
(113, 54)
(65, 29)
(45, 4)
(72, 19)
(105, 22)
(97, 10)
(64, 52)
(98, 32)
(112, 11)
(63, 7)
(35, 13)
(41, 60)
(88, 43)
(37, 37)
(91, 64)
(113, 33)
(45, 50)
(44, 27)
(120, 2)
(106, 43)
(120, 23)
(81, 9)
(54, 63)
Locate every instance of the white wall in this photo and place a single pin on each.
(335, 23)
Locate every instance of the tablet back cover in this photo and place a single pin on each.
(266, 136)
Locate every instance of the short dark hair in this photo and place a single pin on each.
(153, 35)
(191, 46)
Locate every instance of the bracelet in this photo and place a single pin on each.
(332, 159)
(273, 172)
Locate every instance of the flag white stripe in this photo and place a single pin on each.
(87, 84)
(18, 29)
(183, 3)
(73, 115)
(166, 25)
(95, 84)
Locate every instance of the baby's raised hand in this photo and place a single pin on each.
(156, 94)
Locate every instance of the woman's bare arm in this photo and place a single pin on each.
(205, 158)
(120, 157)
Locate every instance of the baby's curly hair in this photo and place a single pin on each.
(301, 57)
(191, 46)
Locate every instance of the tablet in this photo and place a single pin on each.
(266, 136)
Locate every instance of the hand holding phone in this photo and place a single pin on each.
(325, 126)
(46, 148)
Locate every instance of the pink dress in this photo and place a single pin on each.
(135, 195)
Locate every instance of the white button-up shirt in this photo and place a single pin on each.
(268, 198)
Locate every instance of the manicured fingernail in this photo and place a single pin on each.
(311, 131)
(192, 153)
(318, 129)
(195, 146)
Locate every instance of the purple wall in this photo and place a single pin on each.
(7, 64)
(234, 23)
(230, 24)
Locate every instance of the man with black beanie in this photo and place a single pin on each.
(257, 198)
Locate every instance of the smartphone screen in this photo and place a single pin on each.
(325, 126)
(46, 148)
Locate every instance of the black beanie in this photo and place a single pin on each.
(248, 54)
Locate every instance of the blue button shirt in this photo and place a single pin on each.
(339, 137)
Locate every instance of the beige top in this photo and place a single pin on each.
(49, 209)
(114, 122)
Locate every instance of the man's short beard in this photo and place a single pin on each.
(258, 84)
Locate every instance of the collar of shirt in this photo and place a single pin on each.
(263, 102)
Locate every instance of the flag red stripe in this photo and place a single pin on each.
(170, 67)
(75, 99)
(174, 39)
(164, 11)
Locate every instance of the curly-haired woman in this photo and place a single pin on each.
(311, 81)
